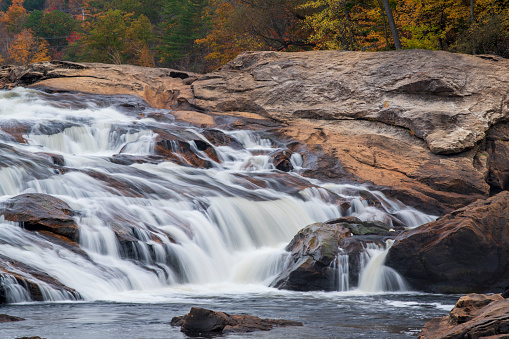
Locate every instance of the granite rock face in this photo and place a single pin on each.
(462, 252)
(420, 125)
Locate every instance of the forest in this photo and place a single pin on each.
(201, 35)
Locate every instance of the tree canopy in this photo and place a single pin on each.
(201, 35)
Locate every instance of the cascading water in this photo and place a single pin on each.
(147, 222)
(341, 265)
(375, 276)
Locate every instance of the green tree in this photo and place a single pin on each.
(184, 22)
(54, 26)
(117, 37)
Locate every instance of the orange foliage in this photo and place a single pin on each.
(27, 49)
(14, 17)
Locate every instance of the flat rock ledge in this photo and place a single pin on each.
(200, 321)
(474, 316)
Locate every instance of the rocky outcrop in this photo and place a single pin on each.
(474, 316)
(464, 251)
(314, 250)
(159, 87)
(447, 100)
(206, 322)
(421, 125)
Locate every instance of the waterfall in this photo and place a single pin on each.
(376, 277)
(147, 222)
(341, 265)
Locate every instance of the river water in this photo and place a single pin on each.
(159, 235)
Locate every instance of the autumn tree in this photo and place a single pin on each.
(15, 16)
(118, 37)
(27, 48)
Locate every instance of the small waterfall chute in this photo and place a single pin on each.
(376, 277)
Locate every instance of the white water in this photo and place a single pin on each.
(188, 226)
(342, 266)
(376, 277)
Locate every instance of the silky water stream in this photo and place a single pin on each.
(211, 235)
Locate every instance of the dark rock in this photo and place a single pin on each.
(178, 149)
(281, 160)
(359, 227)
(28, 277)
(314, 251)
(464, 251)
(497, 151)
(42, 212)
(4, 318)
(219, 138)
(203, 321)
(474, 316)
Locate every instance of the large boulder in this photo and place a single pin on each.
(313, 262)
(42, 212)
(474, 316)
(462, 252)
(200, 321)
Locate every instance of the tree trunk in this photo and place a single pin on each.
(395, 35)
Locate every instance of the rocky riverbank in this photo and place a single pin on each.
(427, 127)
(473, 316)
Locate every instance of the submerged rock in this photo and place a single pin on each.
(462, 252)
(473, 316)
(206, 322)
(4, 318)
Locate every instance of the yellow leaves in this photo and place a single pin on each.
(27, 49)
(15, 16)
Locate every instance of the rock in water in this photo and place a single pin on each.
(42, 212)
(315, 248)
(474, 316)
(464, 251)
(4, 318)
(203, 321)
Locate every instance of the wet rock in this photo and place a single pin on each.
(314, 251)
(179, 150)
(281, 160)
(16, 276)
(42, 212)
(464, 251)
(473, 316)
(4, 318)
(359, 227)
(219, 138)
(205, 322)
(159, 87)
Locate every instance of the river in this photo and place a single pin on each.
(195, 224)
